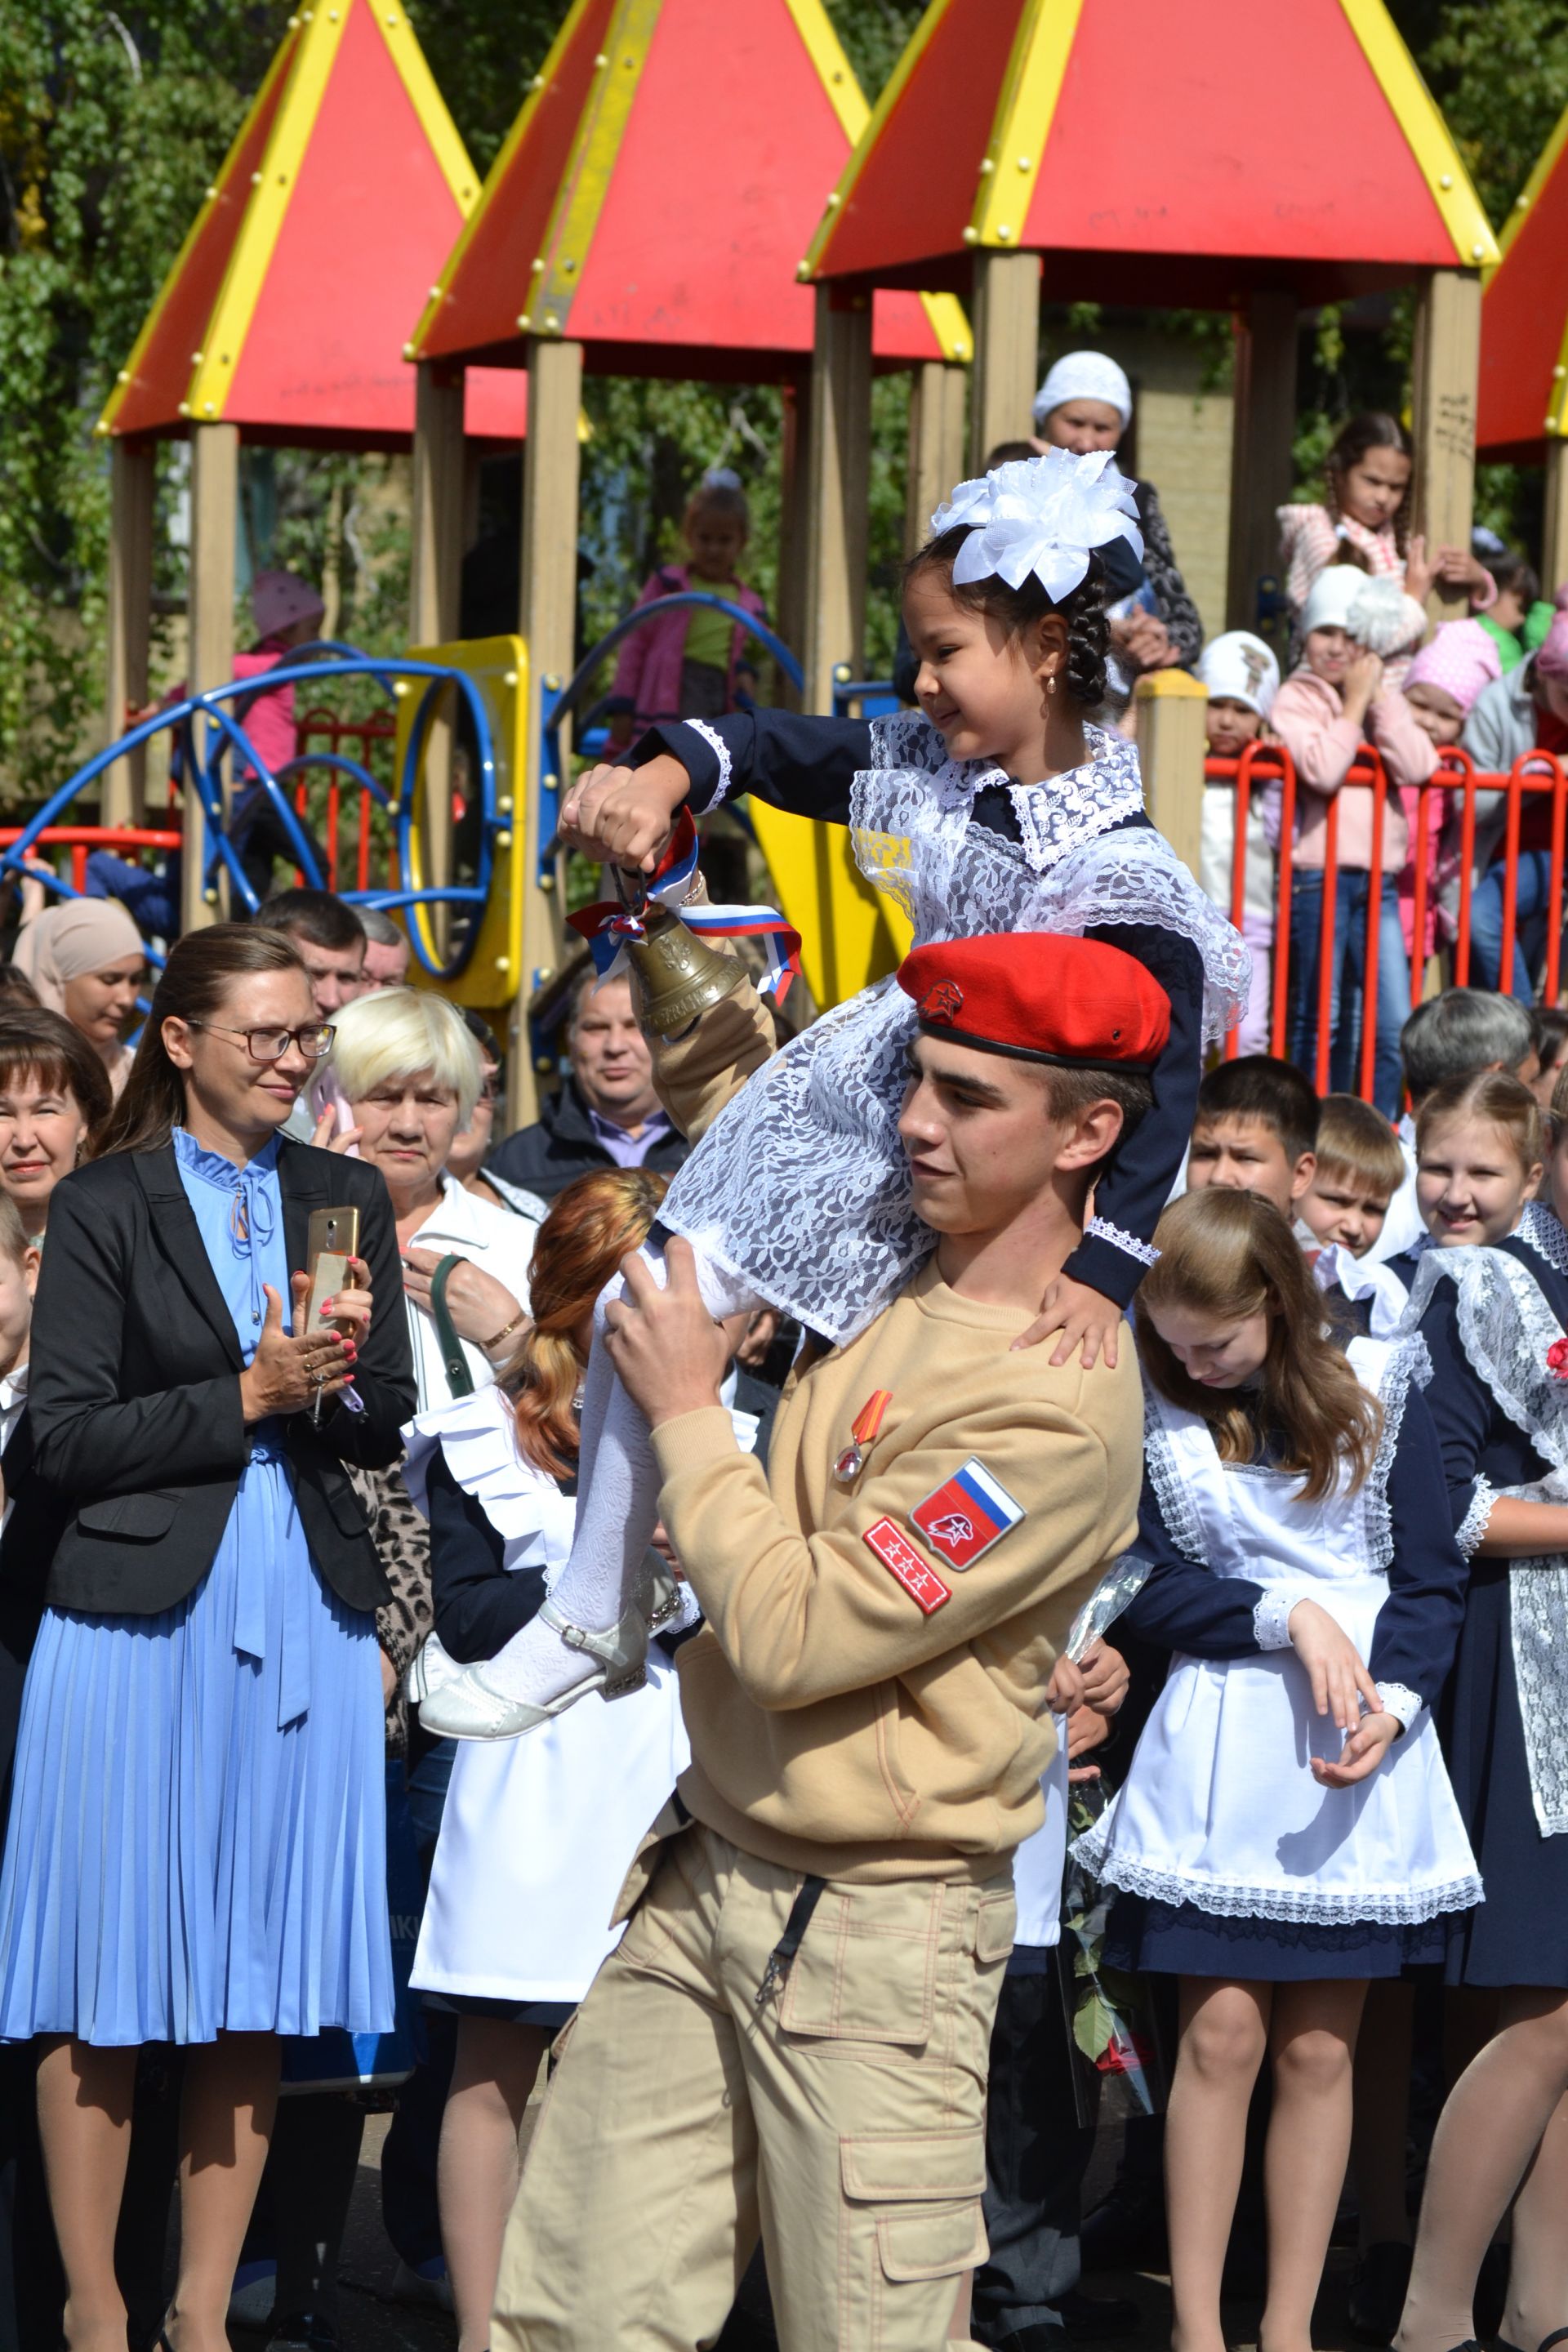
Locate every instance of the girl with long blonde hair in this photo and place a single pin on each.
(1285, 1832)
(537, 1834)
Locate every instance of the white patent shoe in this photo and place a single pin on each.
(468, 1706)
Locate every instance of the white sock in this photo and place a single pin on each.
(618, 1511)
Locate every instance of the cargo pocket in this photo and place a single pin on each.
(866, 1968)
(995, 1927)
(913, 2204)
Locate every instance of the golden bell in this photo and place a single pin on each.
(676, 976)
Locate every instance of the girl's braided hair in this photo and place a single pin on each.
(1020, 609)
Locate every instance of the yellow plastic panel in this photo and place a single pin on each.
(498, 668)
(849, 935)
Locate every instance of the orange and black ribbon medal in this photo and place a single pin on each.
(863, 1431)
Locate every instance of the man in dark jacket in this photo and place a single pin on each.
(606, 1114)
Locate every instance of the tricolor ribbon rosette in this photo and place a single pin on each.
(609, 926)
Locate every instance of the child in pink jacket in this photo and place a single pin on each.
(1334, 699)
(689, 662)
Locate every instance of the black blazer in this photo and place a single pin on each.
(133, 1390)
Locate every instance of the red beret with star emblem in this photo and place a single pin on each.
(1040, 998)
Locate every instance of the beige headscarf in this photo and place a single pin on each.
(79, 935)
(64, 942)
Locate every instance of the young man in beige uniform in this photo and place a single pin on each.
(793, 2034)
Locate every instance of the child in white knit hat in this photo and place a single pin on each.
(1337, 696)
(1242, 679)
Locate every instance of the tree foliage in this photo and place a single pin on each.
(111, 123)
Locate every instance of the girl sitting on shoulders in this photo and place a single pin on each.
(1286, 1831)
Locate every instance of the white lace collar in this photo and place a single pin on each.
(1056, 815)
(1543, 1232)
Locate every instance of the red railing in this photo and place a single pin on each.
(81, 838)
(1455, 783)
(323, 730)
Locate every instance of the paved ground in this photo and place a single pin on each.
(374, 2322)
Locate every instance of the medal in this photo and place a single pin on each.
(863, 1431)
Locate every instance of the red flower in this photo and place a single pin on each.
(1557, 1358)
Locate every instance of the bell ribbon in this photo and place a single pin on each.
(608, 926)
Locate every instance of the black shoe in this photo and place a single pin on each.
(1097, 2319)
(1127, 2232)
(1378, 2285)
(1491, 2292)
(306, 2331)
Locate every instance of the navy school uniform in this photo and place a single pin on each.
(807, 765)
(1299, 1905)
(1520, 1934)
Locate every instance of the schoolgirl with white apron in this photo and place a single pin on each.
(1245, 1865)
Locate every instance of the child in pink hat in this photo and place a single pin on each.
(1446, 677)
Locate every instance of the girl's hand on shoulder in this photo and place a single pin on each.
(481, 1307)
(1340, 1679)
(1359, 1757)
(1085, 1319)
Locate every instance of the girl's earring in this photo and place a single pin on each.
(1051, 683)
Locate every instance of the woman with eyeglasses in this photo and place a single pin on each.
(195, 1847)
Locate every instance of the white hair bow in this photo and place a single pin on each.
(1044, 515)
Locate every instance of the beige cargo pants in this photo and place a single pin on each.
(845, 2118)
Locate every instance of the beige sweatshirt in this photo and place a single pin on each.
(836, 1725)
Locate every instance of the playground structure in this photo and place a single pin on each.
(1523, 406)
(1011, 157)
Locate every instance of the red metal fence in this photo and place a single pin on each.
(1452, 789)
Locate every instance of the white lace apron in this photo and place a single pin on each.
(1505, 1326)
(1220, 1808)
(799, 1192)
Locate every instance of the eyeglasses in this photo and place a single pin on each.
(271, 1045)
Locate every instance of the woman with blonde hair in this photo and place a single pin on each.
(538, 1833)
(1285, 1832)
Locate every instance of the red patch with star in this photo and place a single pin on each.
(913, 1569)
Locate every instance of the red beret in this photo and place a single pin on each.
(1041, 998)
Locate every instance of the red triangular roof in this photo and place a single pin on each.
(1524, 318)
(286, 310)
(1155, 153)
(654, 199)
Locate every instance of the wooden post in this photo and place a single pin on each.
(132, 481)
(434, 586)
(214, 492)
(1444, 372)
(1554, 534)
(838, 448)
(790, 599)
(936, 444)
(1006, 350)
(547, 622)
(1172, 710)
(1260, 462)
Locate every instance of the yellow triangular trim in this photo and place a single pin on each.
(1524, 203)
(591, 164)
(429, 107)
(281, 61)
(1425, 133)
(1021, 128)
(414, 348)
(892, 91)
(321, 31)
(944, 312)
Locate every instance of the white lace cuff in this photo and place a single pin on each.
(1101, 1229)
(720, 750)
(1404, 1704)
(1473, 1526)
(1271, 1617)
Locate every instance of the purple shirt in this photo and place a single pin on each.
(628, 1150)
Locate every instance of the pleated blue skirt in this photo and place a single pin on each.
(196, 1841)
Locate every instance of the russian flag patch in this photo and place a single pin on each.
(965, 1515)
(913, 1569)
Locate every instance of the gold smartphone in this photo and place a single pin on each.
(332, 1241)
